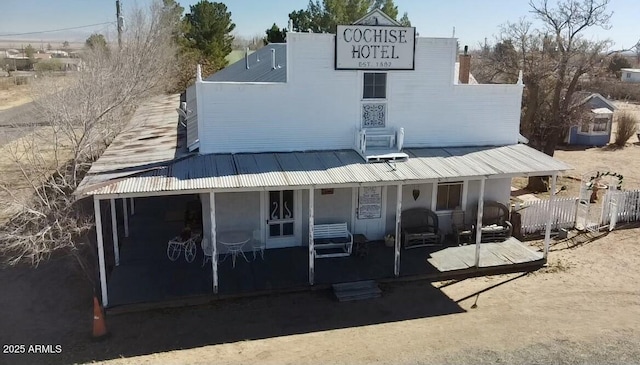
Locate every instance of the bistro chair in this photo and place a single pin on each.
(257, 244)
(207, 250)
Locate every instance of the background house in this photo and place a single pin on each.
(630, 74)
(595, 129)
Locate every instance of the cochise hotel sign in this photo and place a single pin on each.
(373, 47)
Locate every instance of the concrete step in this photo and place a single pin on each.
(357, 290)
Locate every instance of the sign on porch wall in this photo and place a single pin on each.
(370, 47)
(370, 202)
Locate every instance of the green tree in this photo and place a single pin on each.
(302, 21)
(29, 51)
(96, 42)
(66, 47)
(404, 21)
(387, 7)
(275, 35)
(208, 30)
(323, 16)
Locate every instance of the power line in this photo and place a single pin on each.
(55, 30)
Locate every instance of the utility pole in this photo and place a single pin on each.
(119, 23)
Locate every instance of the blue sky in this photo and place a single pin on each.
(472, 21)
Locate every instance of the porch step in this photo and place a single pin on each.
(357, 290)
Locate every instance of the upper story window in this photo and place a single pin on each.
(375, 85)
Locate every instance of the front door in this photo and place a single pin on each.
(282, 219)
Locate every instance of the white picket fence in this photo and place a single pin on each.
(620, 206)
(535, 214)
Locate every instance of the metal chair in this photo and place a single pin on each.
(207, 250)
(257, 244)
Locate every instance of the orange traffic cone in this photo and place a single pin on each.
(99, 326)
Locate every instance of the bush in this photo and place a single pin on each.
(627, 127)
(49, 65)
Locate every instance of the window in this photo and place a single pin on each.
(584, 128)
(628, 75)
(601, 125)
(375, 86)
(449, 196)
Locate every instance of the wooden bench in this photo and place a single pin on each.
(332, 240)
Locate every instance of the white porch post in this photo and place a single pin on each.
(126, 217)
(547, 231)
(133, 208)
(311, 249)
(214, 247)
(100, 243)
(114, 231)
(396, 262)
(479, 222)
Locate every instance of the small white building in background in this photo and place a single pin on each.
(630, 74)
(354, 128)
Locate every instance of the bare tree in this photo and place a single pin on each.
(74, 123)
(553, 57)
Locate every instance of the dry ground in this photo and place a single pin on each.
(584, 308)
(13, 95)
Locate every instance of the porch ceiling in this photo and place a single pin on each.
(259, 171)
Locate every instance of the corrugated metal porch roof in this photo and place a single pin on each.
(329, 168)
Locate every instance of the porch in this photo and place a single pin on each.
(145, 274)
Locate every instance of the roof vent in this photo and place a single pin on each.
(273, 58)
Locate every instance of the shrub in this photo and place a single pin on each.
(49, 65)
(627, 127)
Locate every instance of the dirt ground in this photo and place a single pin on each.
(583, 308)
(13, 95)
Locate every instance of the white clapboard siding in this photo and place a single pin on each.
(536, 214)
(620, 207)
(320, 108)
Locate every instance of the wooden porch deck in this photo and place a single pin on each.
(492, 255)
(145, 274)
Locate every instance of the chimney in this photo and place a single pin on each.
(465, 66)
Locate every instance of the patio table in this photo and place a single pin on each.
(234, 241)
